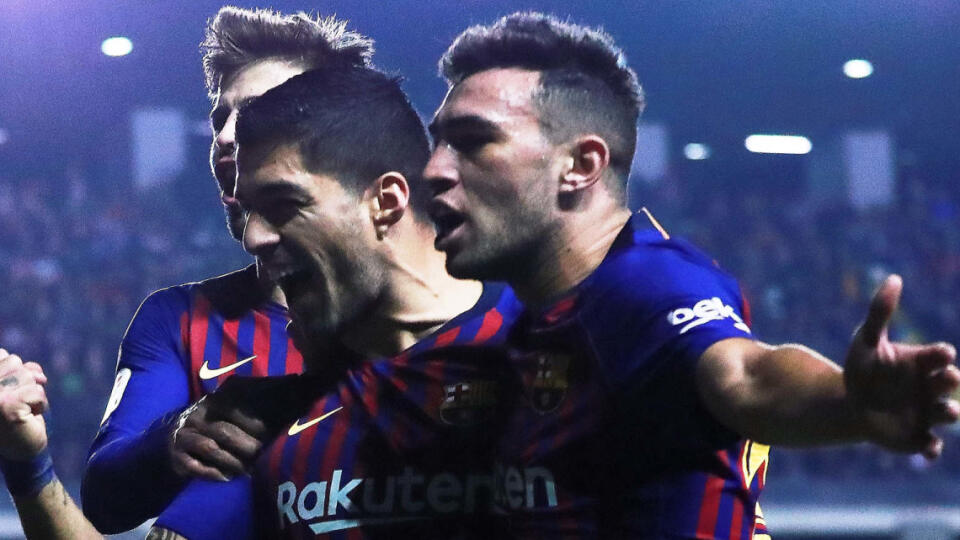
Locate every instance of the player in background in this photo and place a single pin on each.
(642, 386)
(45, 508)
(184, 341)
(330, 167)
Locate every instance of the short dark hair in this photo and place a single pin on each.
(237, 37)
(352, 122)
(585, 83)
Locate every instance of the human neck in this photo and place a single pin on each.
(573, 251)
(421, 297)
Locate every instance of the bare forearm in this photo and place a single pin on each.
(786, 395)
(53, 515)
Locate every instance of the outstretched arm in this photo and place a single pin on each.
(891, 394)
(45, 508)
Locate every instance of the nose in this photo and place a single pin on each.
(260, 238)
(440, 172)
(226, 138)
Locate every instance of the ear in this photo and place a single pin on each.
(588, 160)
(389, 197)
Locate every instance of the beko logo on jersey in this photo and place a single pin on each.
(409, 496)
(704, 311)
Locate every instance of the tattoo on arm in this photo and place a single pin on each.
(9, 381)
(157, 533)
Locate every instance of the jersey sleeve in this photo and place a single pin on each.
(128, 477)
(655, 316)
(663, 308)
(210, 510)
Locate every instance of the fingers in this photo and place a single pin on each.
(933, 447)
(34, 398)
(186, 465)
(235, 441)
(8, 364)
(944, 411)
(38, 375)
(200, 455)
(882, 306)
(943, 382)
(929, 358)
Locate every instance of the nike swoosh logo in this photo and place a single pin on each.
(206, 373)
(297, 427)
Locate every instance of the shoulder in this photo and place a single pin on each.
(234, 293)
(654, 271)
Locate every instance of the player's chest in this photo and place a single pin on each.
(560, 399)
(253, 345)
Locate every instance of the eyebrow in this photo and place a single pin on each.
(223, 108)
(471, 122)
(278, 189)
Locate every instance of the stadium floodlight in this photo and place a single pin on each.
(696, 151)
(857, 68)
(116, 46)
(778, 144)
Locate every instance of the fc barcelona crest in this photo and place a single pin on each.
(468, 402)
(549, 385)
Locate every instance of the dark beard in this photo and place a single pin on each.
(235, 221)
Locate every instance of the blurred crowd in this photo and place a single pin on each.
(80, 252)
(809, 268)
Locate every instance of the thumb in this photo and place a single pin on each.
(882, 306)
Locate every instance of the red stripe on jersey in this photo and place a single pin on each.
(761, 476)
(560, 309)
(334, 444)
(710, 504)
(298, 469)
(294, 359)
(743, 463)
(185, 345)
(369, 395)
(276, 454)
(736, 522)
(400, 362)
(435, 391)
(199, 320)
(492, 321)
(447, 337)
(261, 344)
(229, 353)
(747, 316)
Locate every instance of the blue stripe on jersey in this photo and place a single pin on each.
(214, 345)
(725, 511)
(245, 331)
(278, 346)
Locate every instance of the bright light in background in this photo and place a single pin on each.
(696, 151)
(778, 144)
(116, 46)
(857, 68)
(4, 136)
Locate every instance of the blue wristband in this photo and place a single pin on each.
(28, 478)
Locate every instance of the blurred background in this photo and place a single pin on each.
(105, 192)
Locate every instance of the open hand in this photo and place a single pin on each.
(903, 390)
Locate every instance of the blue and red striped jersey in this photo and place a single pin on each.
(182, 343)
(403, 447)
(607, 436)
